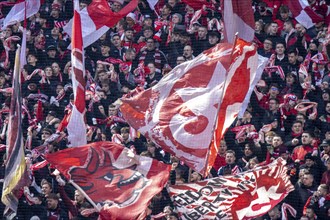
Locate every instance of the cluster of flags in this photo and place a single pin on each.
(186, 113)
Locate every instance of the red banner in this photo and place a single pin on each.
(121, 185)
(243, 196)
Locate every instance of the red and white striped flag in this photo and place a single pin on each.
(243, 196)
(97, 18)
(180, 112)
(17, 13)
(16, 175)
(238, 17)
(76, 126)
(303, 13)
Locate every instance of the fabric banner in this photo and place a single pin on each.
(76, 126)
(121, 185)
(244, 196)
(303, 13)
(16, 175)
(97, 18)
(179, 113)
(17, 13)
(238, 18)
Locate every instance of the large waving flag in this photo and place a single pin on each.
(76, 126)
(120, 185)
(243, 196)
(179, 113)
(97, 18)
(17, 13)
(238, 17)
(16, 175)
(303, 13)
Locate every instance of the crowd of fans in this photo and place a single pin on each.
(288, 115)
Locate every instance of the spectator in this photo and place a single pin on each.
(53, 208)
(188, 53)
(152, 54)
(231, 166)
(267, 49)
(300, 152)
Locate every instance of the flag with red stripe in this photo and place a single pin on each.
(243, 196)
(16, 175)
(303, 13)
(76, 126)
(238, 17)
(97, 18)
(179, 113)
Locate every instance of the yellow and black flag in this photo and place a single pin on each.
(16, 175)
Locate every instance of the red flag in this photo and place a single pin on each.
(243, 196)
(303, 13)
(198, 4)
(76, 126)
(121, 185)
(238, 17)
(179, 113)
(98, 18)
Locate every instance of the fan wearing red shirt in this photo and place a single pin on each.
(299, 152)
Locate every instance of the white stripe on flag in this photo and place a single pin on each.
(89, 32)
(17, 12)
(76, 129)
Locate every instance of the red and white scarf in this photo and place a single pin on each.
(157, 56)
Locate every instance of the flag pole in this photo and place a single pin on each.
(213, 139)
(85, 195)
(232, 52)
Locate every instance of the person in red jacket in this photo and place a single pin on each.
(299, 152)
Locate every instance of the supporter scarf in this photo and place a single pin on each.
(294, 135)
(157, 57)
(217, 24)
(62, 56)
(7, 44)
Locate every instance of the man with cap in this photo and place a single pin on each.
(132, 22)
(128, 41)
(51, 55)
(144, 35)
(147, 20)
